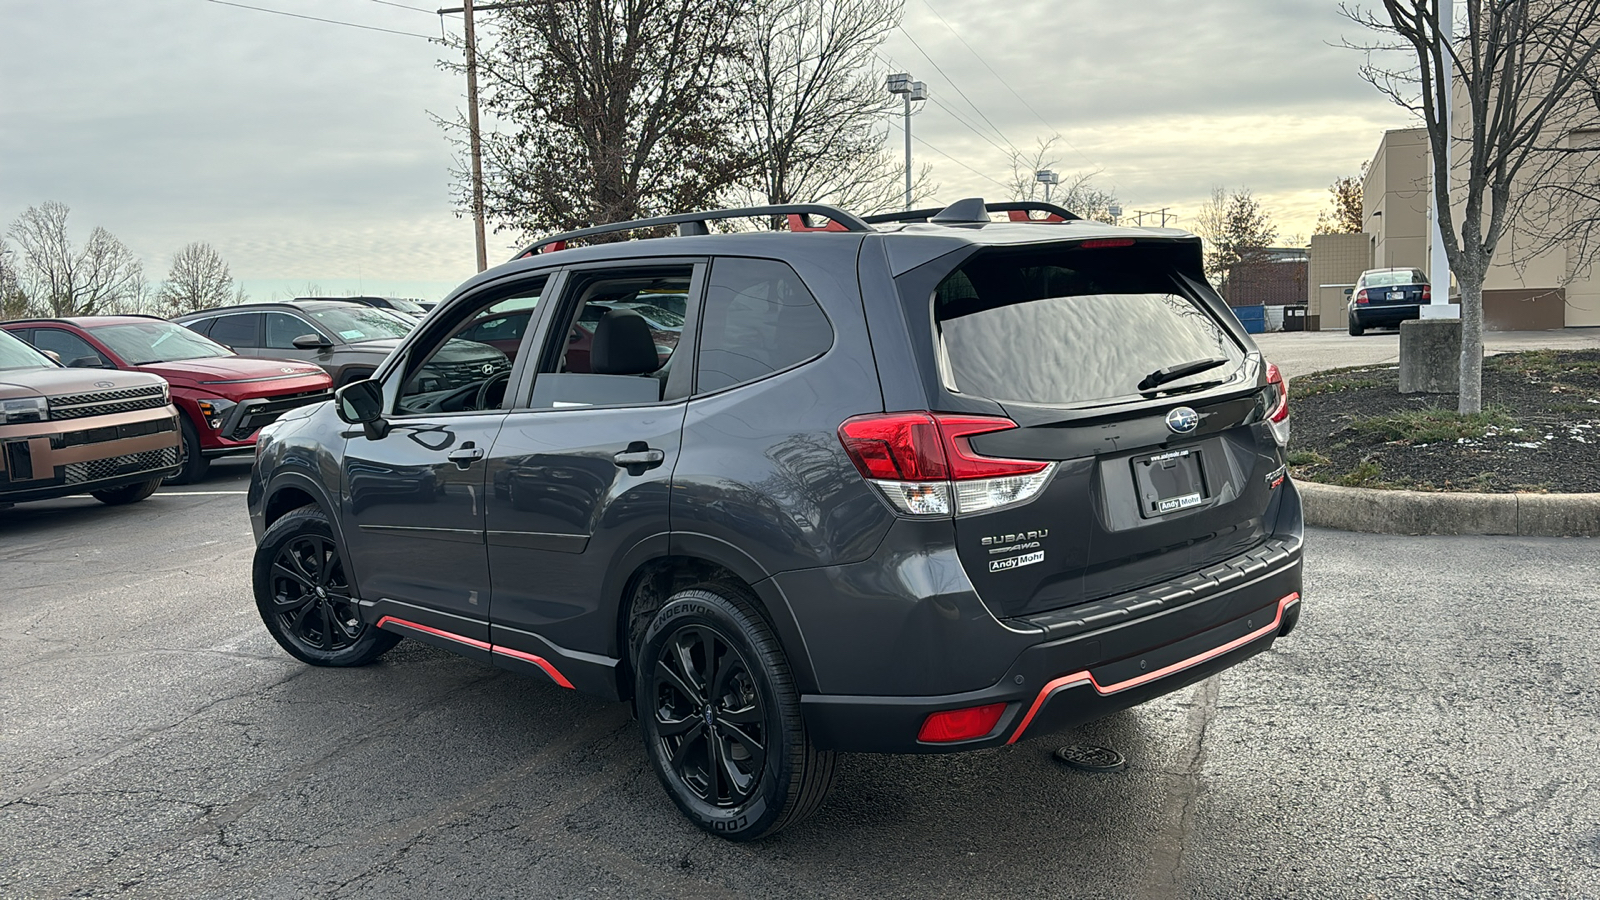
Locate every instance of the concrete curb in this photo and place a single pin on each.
(1422, 512)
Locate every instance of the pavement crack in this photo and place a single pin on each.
(1164, 875)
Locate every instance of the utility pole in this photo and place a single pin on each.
(1047, 178)
(1439, 262)
(908, 90)
(472, 128)
(473, 135)
(1164, 212)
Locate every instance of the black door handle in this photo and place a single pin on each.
(466, 456)
(639, 457)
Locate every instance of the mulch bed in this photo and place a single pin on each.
(1540, 429)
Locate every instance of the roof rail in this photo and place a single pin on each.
(695, 223)
(1053, 213)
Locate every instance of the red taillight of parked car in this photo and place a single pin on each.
(960, 724)
(925, 464)
(1278, 404)
(1427, 293)
(1361, 296)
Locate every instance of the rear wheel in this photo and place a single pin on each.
(192, 462)
(721, 717)
(304, 596)
(1356, 328)
(132, 493)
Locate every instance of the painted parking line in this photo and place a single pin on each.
(201, 493)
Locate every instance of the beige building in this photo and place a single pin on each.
(1546, 290)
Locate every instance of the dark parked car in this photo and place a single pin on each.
(1383, 298)
(904, 488)
(225, 399)
(347, 339)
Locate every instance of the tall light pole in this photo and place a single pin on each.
(1439, 264)
(908, 90)
(1047, 178)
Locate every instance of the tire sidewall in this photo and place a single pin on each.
(707, 609)
(194, 463)
(308, 520)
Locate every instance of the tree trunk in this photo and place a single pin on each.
(1471, 399)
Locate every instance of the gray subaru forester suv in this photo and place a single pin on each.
(917, 483)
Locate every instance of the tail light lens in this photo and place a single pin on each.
(960, 724)
(1278, 404)
(925, 465)
(1427, 293)
(1361, 297)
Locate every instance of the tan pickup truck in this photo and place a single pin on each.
(113, 435)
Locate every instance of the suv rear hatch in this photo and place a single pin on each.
(1124, 374)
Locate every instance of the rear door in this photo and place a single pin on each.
(1157, 473)
(580, 475)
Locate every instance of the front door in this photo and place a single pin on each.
(580, 476)
(415, 497)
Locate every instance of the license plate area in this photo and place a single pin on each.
(1169, 482)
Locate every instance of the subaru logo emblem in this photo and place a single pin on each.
(1183, 420)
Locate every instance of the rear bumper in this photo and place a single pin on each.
(1056, 684)
(1380, 316)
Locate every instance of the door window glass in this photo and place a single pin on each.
(236, 331)
(283, 328)
(463, 369)
(69, 347)
(619, 333)
(759, 318)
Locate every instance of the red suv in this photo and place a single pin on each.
(224, 398)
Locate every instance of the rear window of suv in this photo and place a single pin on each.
(1065, 326)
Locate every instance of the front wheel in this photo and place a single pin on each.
(304, 596)
(131, 493)
(192, 462)
(721, 717)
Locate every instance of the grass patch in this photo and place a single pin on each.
(1300, 458)
(1334, 386)
(1544, 362)
(1430, 426)
(1366, 474)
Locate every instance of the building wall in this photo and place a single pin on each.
(1524, 289)
(1337, 260)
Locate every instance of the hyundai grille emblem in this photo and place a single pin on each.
(105, 384)
(1183, 420)
(488, 368)
(288, 370)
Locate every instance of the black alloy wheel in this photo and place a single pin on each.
(304, 595)
(721, 716)
(709, 717)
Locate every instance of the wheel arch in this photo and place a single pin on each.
(290, 491)
(651, 581)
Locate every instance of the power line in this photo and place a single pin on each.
(280, 12)
(952, 112)
(958, 90)
(1002, 80)
(404, 6)
(959, 162)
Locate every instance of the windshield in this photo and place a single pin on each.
(143, 343)
(406, 306)
(1394, 279)
(14, 354)
(354, 324)
(1064, 327)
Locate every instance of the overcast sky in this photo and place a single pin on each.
(305, 152)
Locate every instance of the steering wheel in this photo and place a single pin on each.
(488, 397)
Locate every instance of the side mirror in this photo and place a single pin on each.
(85, 362)
(1349, 291)
(311, 342)
(361, 403)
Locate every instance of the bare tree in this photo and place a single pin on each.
(13, 301)
(198, 279)
(813, 109)
(1076, 192)
(1345, 216)
(102, 276)
(1235, 228)
(608, 110)
(1526, 87)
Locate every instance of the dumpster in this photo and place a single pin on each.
(1253, 318)
(1294, 318)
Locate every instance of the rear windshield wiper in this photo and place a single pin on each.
(1181, 370)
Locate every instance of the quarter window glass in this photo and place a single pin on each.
(236, 331)
(283, 328)
(759, 318)
(67, 345)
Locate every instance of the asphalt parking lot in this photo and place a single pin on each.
(1303, 352)
(1431, 730)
